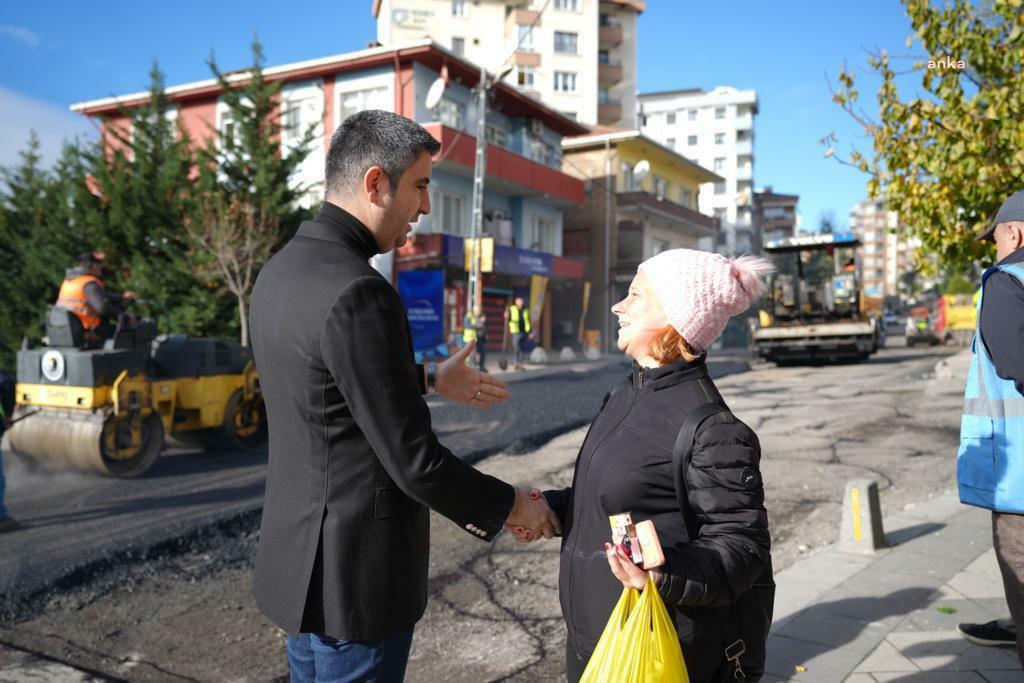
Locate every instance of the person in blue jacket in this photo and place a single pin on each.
(993, 424)
(7, 523)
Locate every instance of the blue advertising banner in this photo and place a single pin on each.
(422, 293)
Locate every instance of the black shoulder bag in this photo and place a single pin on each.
(681, 455)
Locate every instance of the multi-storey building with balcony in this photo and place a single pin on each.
(887, 253)
(716, 129)
(577, 56)
(626, 218)
(526, 191)
(775, 215)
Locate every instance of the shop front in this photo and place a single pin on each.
(552, 287)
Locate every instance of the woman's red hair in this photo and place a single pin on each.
(668, 346)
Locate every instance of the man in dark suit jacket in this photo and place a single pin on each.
(354, 464)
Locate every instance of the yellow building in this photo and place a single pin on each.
(641, 199)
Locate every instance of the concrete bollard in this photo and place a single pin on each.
(567, 355)
(861, 531)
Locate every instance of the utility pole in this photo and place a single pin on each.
(475, 293)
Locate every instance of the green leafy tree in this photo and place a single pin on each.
(246, 195)
(147, 196)
(946, 158)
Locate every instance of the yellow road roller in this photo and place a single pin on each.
(113, 408)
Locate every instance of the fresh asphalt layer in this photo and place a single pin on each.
(78, 527)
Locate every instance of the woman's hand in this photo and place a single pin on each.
(623, 568)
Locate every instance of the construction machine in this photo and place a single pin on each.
(111, 409)
(814, 308)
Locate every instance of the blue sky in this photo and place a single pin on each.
(56, 53)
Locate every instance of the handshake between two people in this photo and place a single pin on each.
(531, 517)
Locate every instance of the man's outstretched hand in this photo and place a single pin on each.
(531, 517)
(460, 383)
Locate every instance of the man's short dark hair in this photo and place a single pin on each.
(374, 138)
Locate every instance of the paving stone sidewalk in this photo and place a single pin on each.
(893, 616)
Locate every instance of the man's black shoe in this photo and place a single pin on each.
(992, 634)
(9, 524)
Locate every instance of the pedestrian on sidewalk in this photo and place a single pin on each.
(354, 465)
(474, 328)
(990, 463)
(707, 502)
(7, 396)
(517, 320)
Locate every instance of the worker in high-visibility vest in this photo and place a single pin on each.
(517, 318)
(474, 327)
(84, 294)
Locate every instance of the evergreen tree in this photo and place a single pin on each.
(246, 198)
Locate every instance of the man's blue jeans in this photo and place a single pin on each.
(320, 659)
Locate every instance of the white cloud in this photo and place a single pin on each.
(20, 33)
(20, 114)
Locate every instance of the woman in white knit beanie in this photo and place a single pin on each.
(704, 494)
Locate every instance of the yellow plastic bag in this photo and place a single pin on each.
(639, 644)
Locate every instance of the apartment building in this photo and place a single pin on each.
(526, 191)
(715, 129)
(577, 56)
(887, 253)
(643, 197)
(775, 215)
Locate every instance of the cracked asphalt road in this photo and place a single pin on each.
(493, 612)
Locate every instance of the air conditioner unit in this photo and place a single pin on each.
(536, 127)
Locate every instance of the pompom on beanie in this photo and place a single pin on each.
(700, 291)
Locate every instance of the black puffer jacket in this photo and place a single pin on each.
(625, 465)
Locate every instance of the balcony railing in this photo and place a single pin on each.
(745, 122)
(609, 112)
(744, 147)
(610, 35)
(609, 73)
(650, 202)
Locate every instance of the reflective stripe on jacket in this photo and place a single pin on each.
(990, 461)
(514, 313)
(72, 297)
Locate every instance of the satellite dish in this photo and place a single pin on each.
(640, 171)
(435, 93)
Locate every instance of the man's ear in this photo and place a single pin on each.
(376, 185)
(1017, 234)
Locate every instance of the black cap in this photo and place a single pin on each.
(1011, 210)
(91, 257)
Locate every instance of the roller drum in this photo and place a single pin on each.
(76, 439)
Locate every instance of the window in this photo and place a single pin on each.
(356, 101)
(686, 197)
(720, 215)
(570, 115)
(670, 143)
(524, 38)
(458, 8)
(449, 113)
(660, 187)
(670, 118)
(525, 76)
(496, 136)
(719, 138)
(691, 140)
(692, 115)
(565, 81)
(719, 163)
(566, 42)
(459, 46)
(629, 182)
(447, 213)
(540, 235)
(567, 5)
(602, 95)
(720, 187)
(602, 57)
(720, 113)
(658, 246)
